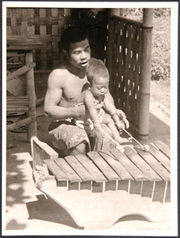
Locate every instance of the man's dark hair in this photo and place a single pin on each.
(72, 34)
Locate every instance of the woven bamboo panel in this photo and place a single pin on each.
(45, 24)
(123, 61)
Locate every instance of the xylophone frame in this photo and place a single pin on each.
(87, 185)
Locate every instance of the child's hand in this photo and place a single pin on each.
(122, 116)
(98, 105)
(120, 124)
(97, 125)
(121, 140)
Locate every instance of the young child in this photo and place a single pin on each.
(95, 93)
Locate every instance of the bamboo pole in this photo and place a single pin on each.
(30, 87)
(145, 78)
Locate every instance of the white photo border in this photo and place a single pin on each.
(173, 111)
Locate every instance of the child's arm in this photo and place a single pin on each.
(89, 103)
(111, 109)
(120, 113)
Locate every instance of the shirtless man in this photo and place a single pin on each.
(63, 99)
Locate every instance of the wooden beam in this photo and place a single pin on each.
(21, 123)
(20, 71)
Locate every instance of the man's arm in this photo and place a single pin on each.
(53, 97)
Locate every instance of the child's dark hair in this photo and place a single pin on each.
(96, 68)
(72, 34)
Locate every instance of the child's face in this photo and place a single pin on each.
(99, 87)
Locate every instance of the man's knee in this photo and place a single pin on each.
(80, 149)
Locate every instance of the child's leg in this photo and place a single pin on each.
(115, 133)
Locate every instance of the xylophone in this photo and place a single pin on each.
(87, 184)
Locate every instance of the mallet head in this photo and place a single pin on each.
(146, 148)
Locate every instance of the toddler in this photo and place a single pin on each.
(96, 93)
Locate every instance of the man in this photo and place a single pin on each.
(63, 96)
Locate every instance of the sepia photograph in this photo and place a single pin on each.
(89, 102)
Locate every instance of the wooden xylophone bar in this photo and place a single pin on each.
(134, 171)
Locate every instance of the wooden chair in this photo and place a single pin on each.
(23, 65)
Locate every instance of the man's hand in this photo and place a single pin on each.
(79, 111)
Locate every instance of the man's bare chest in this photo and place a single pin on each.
(73, 88)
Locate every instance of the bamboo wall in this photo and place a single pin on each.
(121, 50)
(39, 24)
(124, 64)
(46, 25)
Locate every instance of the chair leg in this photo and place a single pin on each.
(32, 128)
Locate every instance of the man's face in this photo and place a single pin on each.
(79, 54)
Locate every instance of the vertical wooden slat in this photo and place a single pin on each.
(8, 27)
(18, 21)
(42, 12)
(43, 58)
(30, 87)
(49, 58)
(30, 23)
(24, 22)
(48, 22)
(38, 58)
(13, 21)
(36, 21)
(54, 12)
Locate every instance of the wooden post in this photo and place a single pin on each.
(116, 12)
(143, 124)
(30, 87)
